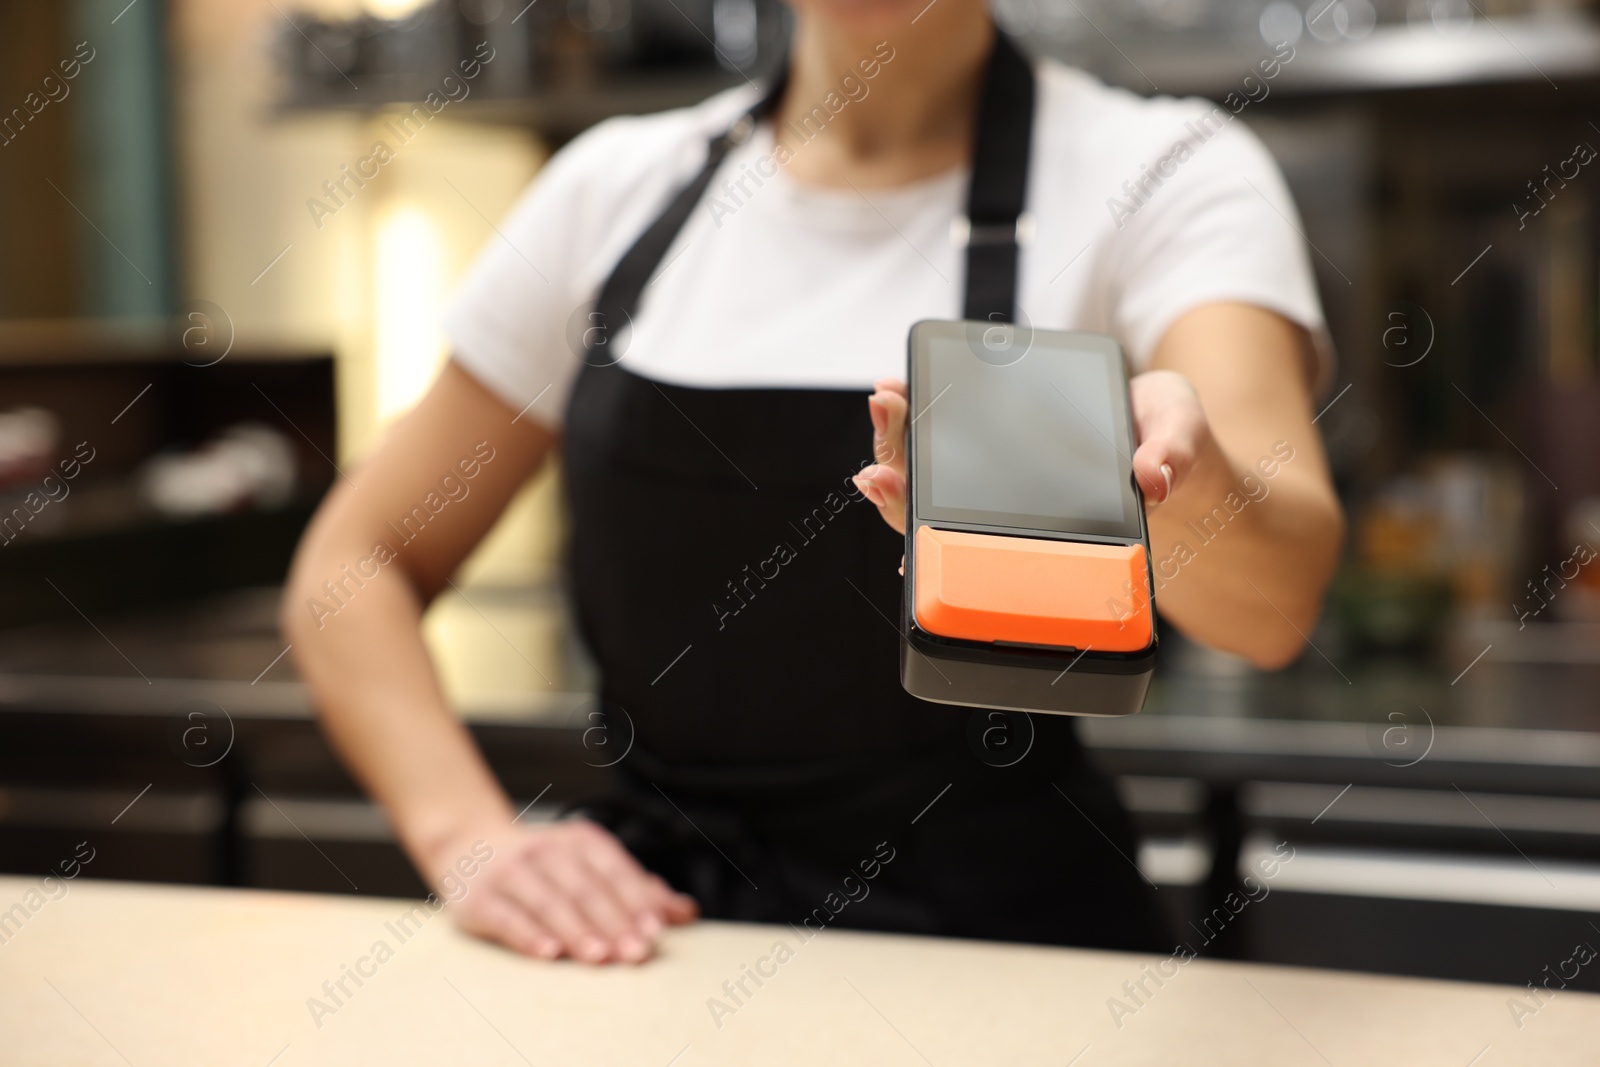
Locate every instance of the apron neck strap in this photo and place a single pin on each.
(992, 229)
(995, 225)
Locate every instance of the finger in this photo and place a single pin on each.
(594, 896)
(645, 898)
(890, 385)
(498, 918)
(1172, 427)
(549, 904)
(887, 490)
(880, 424)
(641, 901)
(680, 907)
(1161, 464)
(1157, 486)
(885, 487)
(889, 435)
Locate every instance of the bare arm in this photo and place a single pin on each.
(1246, 544)
(379, 696)
(1229, 389)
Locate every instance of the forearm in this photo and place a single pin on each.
(362, 652)
(381, 704)
(1244, 549)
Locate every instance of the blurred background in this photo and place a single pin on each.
(203, 316)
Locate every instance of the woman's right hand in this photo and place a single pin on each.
(558, 889)
(561, 889)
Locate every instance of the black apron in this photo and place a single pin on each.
(740, 598)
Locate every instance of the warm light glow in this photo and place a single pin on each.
(393, 9)
(407, 284)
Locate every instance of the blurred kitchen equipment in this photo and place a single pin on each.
(1448, 534)
(249, 465)
(28, 438)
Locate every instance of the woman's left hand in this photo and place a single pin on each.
(1168, 420)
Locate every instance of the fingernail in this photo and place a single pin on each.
(631, 948)
(547, 948)
(591, 948)
(863, 482)
(649, 926)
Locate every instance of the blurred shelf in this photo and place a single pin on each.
(1528, 48)
(558, 113)
(562, 113)
(59, 342)
(1539, 49)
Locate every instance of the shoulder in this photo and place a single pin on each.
(598, 192)
(620, 155)
(510, 323)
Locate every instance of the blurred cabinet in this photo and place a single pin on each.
(85, 527)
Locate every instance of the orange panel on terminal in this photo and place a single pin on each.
(982, 587)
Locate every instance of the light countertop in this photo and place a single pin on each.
(121, 973)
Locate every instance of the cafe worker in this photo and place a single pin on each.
(703, 314)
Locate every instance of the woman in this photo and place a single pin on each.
(707, 310)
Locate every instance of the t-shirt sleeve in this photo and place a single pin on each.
(509, 321)
(1222, 227)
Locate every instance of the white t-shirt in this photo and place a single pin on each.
(776, 284)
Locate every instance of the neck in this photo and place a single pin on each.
(924, 94)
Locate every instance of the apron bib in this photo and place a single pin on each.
(740, 600)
